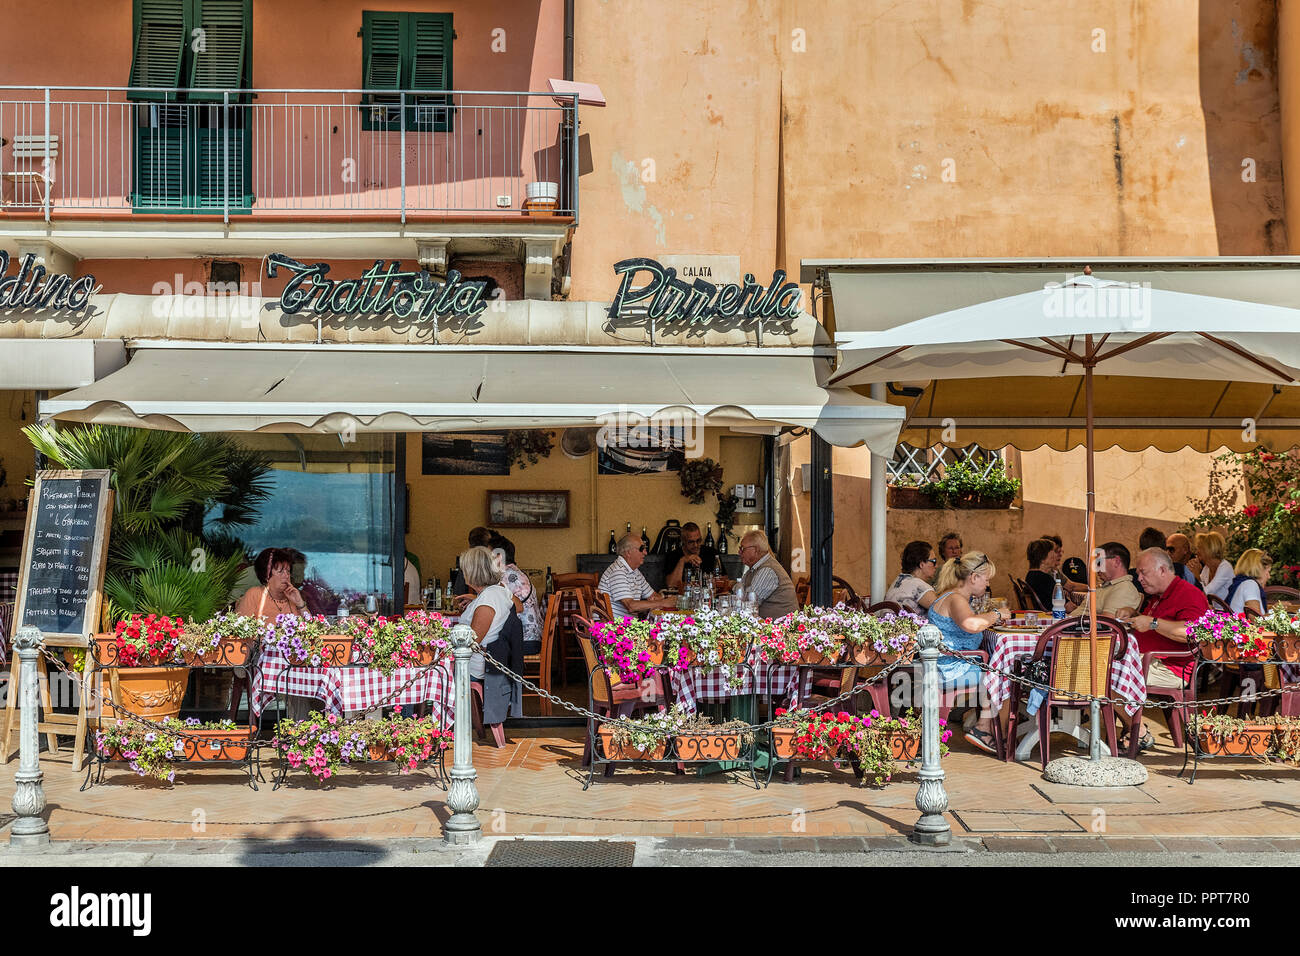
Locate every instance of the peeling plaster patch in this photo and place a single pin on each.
(1249, 55)
(629, 182)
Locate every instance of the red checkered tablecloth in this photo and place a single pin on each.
(1126, 678)
(353, 688)
(710, 683)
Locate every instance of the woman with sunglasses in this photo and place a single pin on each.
(912, 589)
(963, 630)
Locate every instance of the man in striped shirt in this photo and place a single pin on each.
(629, 592)
(764, 580)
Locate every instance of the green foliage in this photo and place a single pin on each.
(528, 446)
(160, 560)
(1271, 522)
(700, 477)
(965, 481)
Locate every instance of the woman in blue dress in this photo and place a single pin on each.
(961, 579)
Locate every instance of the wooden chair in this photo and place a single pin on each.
(537, 667)
(566, 626)
(1069, 672)
(34, 160)
(1027, 596)
(572, 579)
(892, 606)
(601, 607)
(1276, 592)
(604, 697)
(842, 593)
(1218, 604)
(801, 591)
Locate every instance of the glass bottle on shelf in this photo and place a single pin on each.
(645, 539)
(613, 544)
(722, 540)
(708, 538)
(550, 581)
(629, 528)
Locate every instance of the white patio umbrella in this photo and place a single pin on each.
(1072, 328)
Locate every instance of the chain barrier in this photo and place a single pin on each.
(625, 722)
(1124, 701)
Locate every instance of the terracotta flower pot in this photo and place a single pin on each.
(783, 742)
(707, 746)
(899, 496)
(656, 651)
(336, 651)
(1212, 650)
(864, 655)
(216, 744)
(815, 657)
(614, 751)
(231, 652)
(150, 692)
(905, 746)
(1288, 647)
(429, 655)
(1253, 741)
(906, 654)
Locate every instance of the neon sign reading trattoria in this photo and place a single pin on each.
(414, 295)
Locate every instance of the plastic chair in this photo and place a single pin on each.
(1177, 715)
(1069, 672)
(879, 690)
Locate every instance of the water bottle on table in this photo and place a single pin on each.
(1058, 601)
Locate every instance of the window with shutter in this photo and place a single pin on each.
(218, 48)
(411, 52)
(159, 45)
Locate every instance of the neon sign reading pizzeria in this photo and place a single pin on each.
(676, 300)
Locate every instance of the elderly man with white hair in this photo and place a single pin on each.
(764, 580)
(629, 592)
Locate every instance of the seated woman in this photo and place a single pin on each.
(1216, 573)
(1042, 562)
(519, 585)
(491, 614)
(912, 589)
(1247, 589)
(963, 630)
(275, 595)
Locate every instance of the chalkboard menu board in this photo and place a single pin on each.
(62, 569)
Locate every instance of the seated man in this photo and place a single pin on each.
(692, 554)
(1170, 606)
(764, 580)
(629, 592)
(1117, 596)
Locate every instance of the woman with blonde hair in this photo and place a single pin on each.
(1216, 573)
(1246, 593)
(961, 579)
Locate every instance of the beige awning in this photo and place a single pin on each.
(332, 389)
(1131, 413)
(58, 363)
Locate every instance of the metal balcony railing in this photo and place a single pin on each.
(287, 153)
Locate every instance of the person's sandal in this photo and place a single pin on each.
(1146, 741)
(981, 740)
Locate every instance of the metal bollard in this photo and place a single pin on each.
(932, 828)
(463, 828)
(30, 829)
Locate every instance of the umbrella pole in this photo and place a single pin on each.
(1094, 731)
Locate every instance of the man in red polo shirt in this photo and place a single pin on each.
(1170, 606)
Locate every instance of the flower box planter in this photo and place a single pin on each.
(149, 692)
(783, 742)
(815, 658)
(335, 651)
(201, 745)
(1211, 650)
(905, 746)
(615, 751)
(233, 652)
(1287, 648)
(707, 746)
(1253, 741)
(866, 655)
(980, 502)
(904, 497)
(1234, 652)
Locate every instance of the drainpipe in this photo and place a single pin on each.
(568, 40)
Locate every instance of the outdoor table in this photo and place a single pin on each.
(354, 687)
(710, 683)
(1126, 681)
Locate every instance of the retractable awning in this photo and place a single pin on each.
(332, 388)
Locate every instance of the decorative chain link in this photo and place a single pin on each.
(1124, 701)
(625, 722)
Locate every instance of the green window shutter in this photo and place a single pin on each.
(160, 169)
(431, 52)
(159, 43)
(382, 51)
(220, 53)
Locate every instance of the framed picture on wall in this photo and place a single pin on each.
(528, 509)
(464, 453)
(648, 449)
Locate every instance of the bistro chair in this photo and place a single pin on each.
(1026, 596)
(1277, 593)
(571, 603)
(879, 690)
(801, 591)
(6, 625)
(573, 579)
(1183, 695)
(604, 697)
(842, 593)
(1218, 604)
(1065, 645)
(537, 667)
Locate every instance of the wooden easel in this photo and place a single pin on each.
(52, 723)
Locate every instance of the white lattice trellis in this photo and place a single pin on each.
(928, 463)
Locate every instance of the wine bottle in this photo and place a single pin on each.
(613, 545)
(629, 528)
(722, 540)
(645, 539)
(708, 538)
(550, 581)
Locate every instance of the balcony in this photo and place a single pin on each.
(401, 162)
